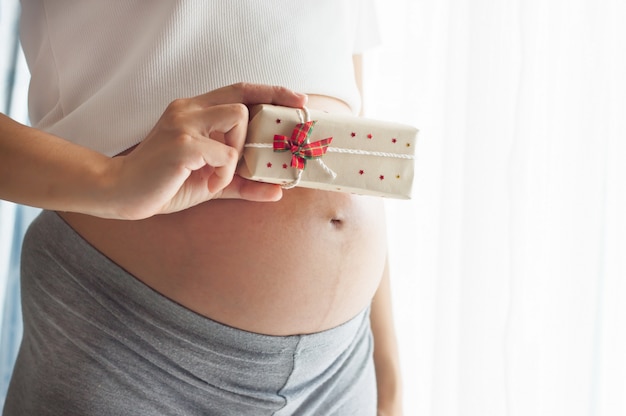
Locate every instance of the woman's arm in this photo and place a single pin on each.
(46, 171)
(189, 157)
(386, 360)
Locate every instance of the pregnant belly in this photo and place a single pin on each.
(307, 263)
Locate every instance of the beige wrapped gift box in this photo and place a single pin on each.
(362, 156)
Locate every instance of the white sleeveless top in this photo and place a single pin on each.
(103, 71)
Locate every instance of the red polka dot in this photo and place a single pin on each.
(269, 164)
(361, 172)
(381, 177)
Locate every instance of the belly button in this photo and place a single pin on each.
(336, 222)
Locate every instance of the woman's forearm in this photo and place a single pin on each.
(386, 359)
(42, 170)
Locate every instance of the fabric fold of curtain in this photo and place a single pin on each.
(14, 219)
(508, 265)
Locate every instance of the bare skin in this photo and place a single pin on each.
(306, 263)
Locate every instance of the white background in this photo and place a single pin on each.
(508, 264)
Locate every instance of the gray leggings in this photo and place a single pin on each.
(97, 341)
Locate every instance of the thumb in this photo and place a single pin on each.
(240, 188)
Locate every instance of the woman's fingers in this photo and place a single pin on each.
(240, 188)
(222, 115)
(218, 143)
(221, 142)
(251, 94)
(191, 154)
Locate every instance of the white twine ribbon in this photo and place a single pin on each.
(329, 171)
(340, 150)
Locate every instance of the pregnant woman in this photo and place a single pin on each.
(157, 281)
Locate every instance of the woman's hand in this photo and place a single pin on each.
(189, 157)
(191, 154)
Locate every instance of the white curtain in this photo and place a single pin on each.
(508, 264)
(14, 219)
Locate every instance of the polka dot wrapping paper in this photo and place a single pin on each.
(333, 152)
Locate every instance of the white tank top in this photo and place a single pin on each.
(103, 71)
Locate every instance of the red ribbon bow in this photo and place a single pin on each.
(300, 149)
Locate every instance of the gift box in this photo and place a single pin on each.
(333, 152)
